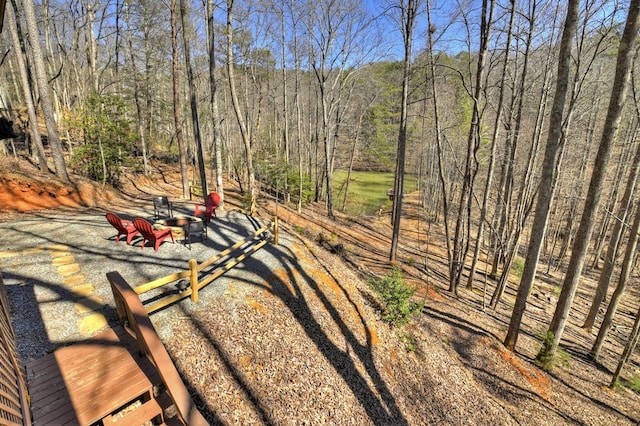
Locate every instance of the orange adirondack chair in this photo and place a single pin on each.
(209, 208)
(124, 227)
(149, 234)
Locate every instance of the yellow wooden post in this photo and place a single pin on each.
(275, 230)
(193, 267)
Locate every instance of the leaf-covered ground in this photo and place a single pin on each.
(296, 337)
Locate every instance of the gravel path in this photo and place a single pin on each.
(54, 266)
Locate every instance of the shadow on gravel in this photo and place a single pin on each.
(378, 402)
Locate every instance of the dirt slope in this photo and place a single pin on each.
(311, 349)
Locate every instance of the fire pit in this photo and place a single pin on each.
(179, 225)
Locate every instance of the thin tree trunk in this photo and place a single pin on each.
(34, 131)
(612, 201)
(136, 93)
(545, 191)
(45, 94)
(492, 155)
(625, 273)
(587, 222)
(614, 243)
(460, 243)
(438, 135)
(236, 107)
(628, 350)
(215, 113)
(177, 106)
(408, 18)
(354, 148)
(194, 112)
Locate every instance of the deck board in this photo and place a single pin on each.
(83, 382)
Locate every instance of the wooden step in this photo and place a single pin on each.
(144, 412)
(171, 417)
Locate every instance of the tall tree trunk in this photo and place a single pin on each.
(298, 109)
(177, 106)
(91, 49)
(408, 19)
(507, 238)
(460, 242)
(194, 109)
(213, 88)
(175, 57)
(285, 100)
(494, 143)
(136, 93)
(545, 190)
(612, 200)
(587, 222)
(625, 273)
(236, 107)
(438, 135)
(43, 87)
(34, 130)
(614, 243)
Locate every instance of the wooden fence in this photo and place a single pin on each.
(14, 398)
(193, 273)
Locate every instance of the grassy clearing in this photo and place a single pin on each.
(367, 190)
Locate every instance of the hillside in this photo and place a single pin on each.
(298, 338)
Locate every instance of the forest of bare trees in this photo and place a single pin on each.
(519, 118)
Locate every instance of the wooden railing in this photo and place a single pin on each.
(132, 314)
(14, 398)
(195, 268)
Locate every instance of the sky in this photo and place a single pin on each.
(450, 35)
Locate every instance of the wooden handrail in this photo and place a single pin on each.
(14, 406)
(133, 316)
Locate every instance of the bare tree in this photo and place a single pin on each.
(409, 11)
(545, 191)
(612, 123)
(438, 133)
(614, 242)
(34, 131)
(494, 145)
(507, 236)
(136, 93)
(616, 297)
(628, 350)
(44, 91)
(460, 242)
(194, 108)
(213, 100)
(177, 109)
(236, 107)
(339, 41)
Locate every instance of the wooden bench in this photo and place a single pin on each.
(123, 376)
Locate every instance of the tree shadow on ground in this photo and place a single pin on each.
(367, 385)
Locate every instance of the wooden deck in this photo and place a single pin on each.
(82, 383)
(121, 377)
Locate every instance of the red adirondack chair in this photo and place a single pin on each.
(124, 227)
(149, 234)
(209, 208)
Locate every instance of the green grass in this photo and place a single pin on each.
(517, 267)
(634, 383)
(367, 190)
